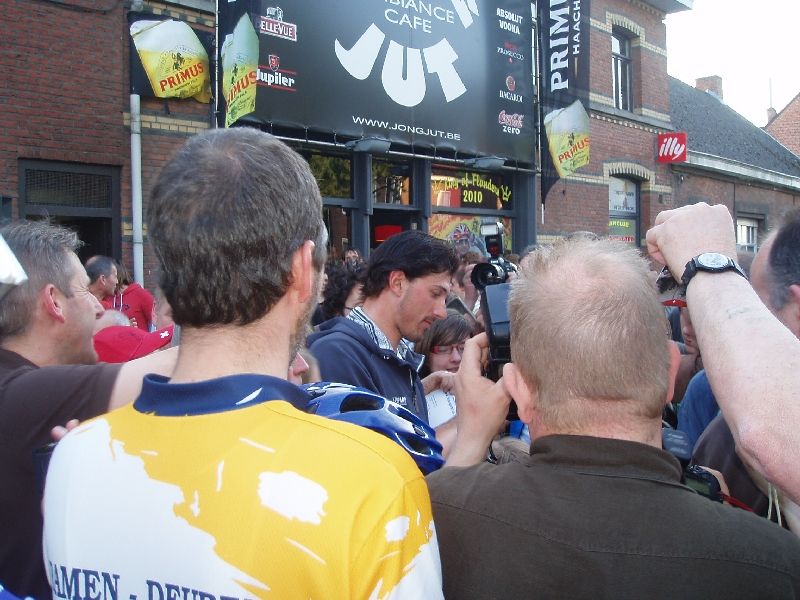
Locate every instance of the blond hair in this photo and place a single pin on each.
(588, 334)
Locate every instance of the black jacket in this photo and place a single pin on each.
(347, 354)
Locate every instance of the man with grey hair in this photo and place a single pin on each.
(216, 482)
(46, 327)
(103, 279)
(598, 508)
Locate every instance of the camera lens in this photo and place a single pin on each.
(489, 273)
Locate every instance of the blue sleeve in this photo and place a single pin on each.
(698, 408)
(341, 359)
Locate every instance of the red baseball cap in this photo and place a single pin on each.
(119, 343)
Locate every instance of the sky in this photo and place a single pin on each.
(747, 43)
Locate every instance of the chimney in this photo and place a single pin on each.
(711, 84)
(771, 114)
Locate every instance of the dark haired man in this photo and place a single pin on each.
(102, 272)
(47, 378)
(212, 483)
(405, 290)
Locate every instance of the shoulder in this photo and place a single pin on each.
(375, 456)
(456, 486)
(59, 382)
(343, 334)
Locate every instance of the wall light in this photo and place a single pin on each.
(490, 163)
(371, 144)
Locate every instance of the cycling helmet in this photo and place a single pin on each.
(361, 407)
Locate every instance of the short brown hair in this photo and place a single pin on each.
(588, 329)
(227, 212)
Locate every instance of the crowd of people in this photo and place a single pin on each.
(191, 466)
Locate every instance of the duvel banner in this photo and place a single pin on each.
(449, 74)
(564, 88)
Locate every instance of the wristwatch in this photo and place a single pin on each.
(711, 262)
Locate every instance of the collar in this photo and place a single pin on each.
(357, 315)
(162, 398)
(13, 360)
(605, 457)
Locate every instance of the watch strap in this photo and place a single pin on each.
(693, 266)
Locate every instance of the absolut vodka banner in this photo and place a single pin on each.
(452, 74)
(563, 27)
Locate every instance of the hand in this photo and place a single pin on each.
(482, 405)
(681, 234)
(439, 380)
(59, 432)
(133, 322)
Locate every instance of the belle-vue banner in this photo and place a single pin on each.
(564, 88)
(450, 74)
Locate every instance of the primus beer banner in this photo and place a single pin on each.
(563, 27)
(450, 74)
(169, 59)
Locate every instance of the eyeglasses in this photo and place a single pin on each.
(448, 349)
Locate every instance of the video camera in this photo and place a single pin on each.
(497, 268)
(491, 279)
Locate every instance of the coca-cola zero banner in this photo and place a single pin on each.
(451, 74)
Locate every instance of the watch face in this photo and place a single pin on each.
(713, 260)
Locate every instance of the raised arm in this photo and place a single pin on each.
(752, 359)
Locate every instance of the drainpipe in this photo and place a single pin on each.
(136, 190)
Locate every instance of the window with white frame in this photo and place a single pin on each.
(747, 234)
(621, 69)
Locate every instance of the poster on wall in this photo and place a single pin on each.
(169, 59)
(453, 188)
(449, 74)
(465, 232)
(622, 230)
(564, 88)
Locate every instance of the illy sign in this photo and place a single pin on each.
(672, 147)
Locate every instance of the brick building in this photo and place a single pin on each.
(731, 161)
(65, 140)
(785, 125)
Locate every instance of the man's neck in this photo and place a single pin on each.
(639, 431)
(211, 352)
(382, 312)
(27, 346)
(99, 294)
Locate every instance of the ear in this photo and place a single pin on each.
(793, 316)
(303, 272)
(674, 365)
(397, 282)
(52, 301)
(520, 391)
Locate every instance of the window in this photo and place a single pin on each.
(82, 197)
(621, 70)
(391, 182)
(746, 234)
(623, 210)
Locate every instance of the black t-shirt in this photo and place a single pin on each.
(32, 402)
